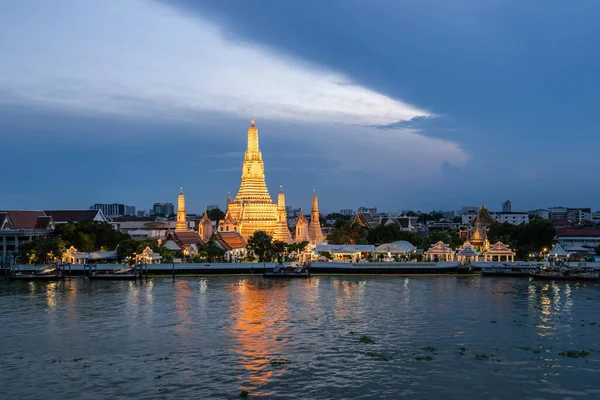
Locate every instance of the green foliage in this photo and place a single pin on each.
(598, 249)
(326, 254)
(525, 238)
(128, 247)
(391, 233)
(278, 249)
(452, 238)
(90, 235)
(212, 252)
(261, 244)
(216, 214)
(168, 255)
(41, 250)
(346, 232)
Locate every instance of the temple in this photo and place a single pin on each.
(314, 228)
(282, 231)
(252, 209)
(205, 228)
(479, 227)
(302, 229)
(181, 225)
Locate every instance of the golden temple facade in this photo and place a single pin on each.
(181, 225)
(252, 209)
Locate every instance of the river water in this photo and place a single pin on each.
(319, 338)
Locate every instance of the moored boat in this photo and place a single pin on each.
(45, 274)
(568, 274)
(123, 274)
(510, 269)
(281, 271)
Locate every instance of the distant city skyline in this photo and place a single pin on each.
(428, 105)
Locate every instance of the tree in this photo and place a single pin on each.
(278, 250)
(41, 250)
(525, 238)
(346, 232)
(598, 249)
(215, 214)
(260, 243)
(212, 251)
(90, 235)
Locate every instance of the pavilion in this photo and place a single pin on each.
(148, 257)
(439, 251)
(498, 251)
(467, 253)
(346, 252)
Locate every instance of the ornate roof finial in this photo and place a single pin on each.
(252, 120)
(280, 188)
(180, 189)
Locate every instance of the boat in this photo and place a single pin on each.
(568, 274)
(511, 269)
(119, 274)
(45, 274)
(281, 271)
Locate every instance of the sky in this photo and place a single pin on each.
(416, 104)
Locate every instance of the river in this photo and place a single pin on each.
(318, 338)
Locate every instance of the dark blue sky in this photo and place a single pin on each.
(398, 104)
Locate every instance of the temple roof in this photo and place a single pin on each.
(468, 250)
(75, 215)
(483, 217)
(499, 248)
(230, 240)
(29, 220)
(440, 248)
(557, 251)
(185, 239)
(365, 219)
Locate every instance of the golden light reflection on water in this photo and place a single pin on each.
(51, 295)
(260, 330)
(183, 305)
(349, 298)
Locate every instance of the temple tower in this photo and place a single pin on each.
(282, 232)
(252, 209)
(205, 228)
(302, 229)
(314, 228)
(181, 225)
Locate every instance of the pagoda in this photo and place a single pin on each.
(205, 228)
(252, 209)
(282, 232)
(302, 229)
(314, 227)
(479, 227)
(181, 225)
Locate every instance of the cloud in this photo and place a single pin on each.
(138, 57)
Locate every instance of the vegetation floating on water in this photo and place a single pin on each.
(244, 393)
(279, 361)
(366, 339)
(77, 359)
(424, 358)
(377, 356)
(462, 351)
(430, 349)
(574, 353)
(481, 356)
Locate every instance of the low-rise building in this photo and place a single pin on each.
(570, 237)
(17, 227)
(66, 216)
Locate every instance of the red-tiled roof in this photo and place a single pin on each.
(72, 215)
(27, 219)
(578, 232)
(134, 219)
(3, 216)
(230, 240)
(185, 239)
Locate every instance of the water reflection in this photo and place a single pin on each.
(261, 314)
(183, 305)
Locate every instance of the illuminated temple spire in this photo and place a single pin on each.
(314, 228)
(302, 229)
(252, 209)
(282, 233)
(181, 225)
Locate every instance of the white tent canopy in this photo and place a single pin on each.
(398, 247)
